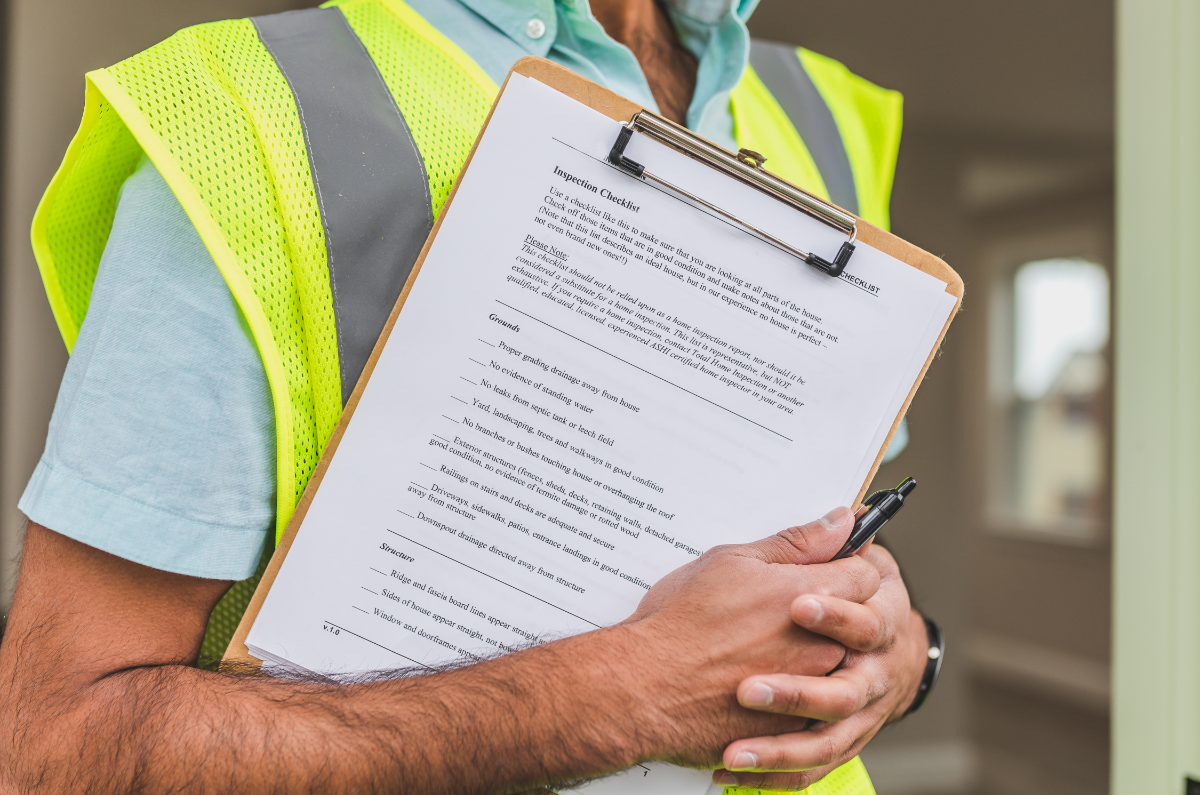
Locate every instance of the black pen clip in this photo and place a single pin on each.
(879, 508)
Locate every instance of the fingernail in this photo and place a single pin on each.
(725, 778)
(810, 611)
(744, 761)
(834, 518)
(759, 695)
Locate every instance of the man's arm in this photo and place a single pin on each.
(100, 693)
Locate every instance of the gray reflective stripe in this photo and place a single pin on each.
(370, 179)
(779, 67)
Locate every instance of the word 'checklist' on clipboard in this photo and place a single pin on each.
(622, 345)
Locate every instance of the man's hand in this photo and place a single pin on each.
(875, 685)
(709, 625)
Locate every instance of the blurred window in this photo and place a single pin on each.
(1054, 412)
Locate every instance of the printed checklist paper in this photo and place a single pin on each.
(590, 383)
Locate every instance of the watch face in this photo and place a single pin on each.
(937, 650)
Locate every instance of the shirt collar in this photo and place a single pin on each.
(513, 17)
(710, 12)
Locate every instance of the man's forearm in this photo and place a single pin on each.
(549, 714)
(97, 692)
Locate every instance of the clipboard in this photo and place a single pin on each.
(745, 166)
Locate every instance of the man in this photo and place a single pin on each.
(187, 225)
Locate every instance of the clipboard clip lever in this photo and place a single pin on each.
(746, 167)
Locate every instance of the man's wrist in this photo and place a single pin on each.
(572, 708)
(639, 688)
(615, 680)
(915, 658)
(660, 689)
(933, 664)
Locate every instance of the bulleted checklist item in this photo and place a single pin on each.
(590, 383)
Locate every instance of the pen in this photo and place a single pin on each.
(881, 506)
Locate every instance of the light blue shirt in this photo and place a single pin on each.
(161, 446)
(162, 443)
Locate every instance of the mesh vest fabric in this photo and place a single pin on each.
(214, 114)
(849, 779)
(868, 119)
(211, 109)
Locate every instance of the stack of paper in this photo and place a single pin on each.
(591, 383)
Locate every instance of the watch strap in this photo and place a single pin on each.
(933, 664)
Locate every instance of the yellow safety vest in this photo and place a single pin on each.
(312, 150)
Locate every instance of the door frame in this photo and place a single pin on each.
(1156, 525)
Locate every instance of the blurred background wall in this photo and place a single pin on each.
(1005, 171)
(1006, 160)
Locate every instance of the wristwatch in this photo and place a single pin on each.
(933, 665)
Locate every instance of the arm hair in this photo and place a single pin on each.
(83, 709)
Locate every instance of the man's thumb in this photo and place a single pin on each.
(815, 542)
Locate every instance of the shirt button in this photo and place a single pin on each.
(535, 28)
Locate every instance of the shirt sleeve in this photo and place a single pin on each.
(161, 448)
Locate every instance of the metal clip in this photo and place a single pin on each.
(747, 167)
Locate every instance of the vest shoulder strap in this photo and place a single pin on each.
(870, 119)
(761, 124)
(811, 114)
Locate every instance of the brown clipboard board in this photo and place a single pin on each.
(617, 108)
